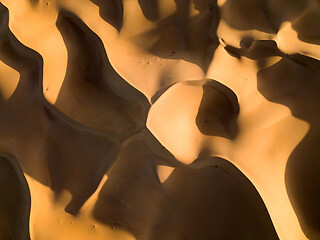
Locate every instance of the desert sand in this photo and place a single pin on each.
(159, 119)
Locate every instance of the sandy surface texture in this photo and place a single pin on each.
(159, 119)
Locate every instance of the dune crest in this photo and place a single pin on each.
(159, 119)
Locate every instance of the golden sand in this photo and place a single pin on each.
(159, 119)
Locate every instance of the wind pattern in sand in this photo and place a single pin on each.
(159, 119)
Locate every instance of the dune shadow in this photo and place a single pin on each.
(267, 16)
(210, 199)
(307, 23)
(14, 202)
(150, 9)
(92, 92)
(50, 147)
(131, 197)
(182, 36)
(111, 11)
(218, 111)
(293, 81)
(248, 15)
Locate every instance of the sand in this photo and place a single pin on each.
(159, 119)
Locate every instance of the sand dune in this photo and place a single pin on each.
(159, 119)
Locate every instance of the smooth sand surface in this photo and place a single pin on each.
(159, 119)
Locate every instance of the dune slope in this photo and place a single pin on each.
(159, 119)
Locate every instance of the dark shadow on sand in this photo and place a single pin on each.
(210, 199)
(180, 36)
(15, 200)
(92, 92)
(111, 11)
(50, 147)
(218, 111)
(267, 16)
(293, 81)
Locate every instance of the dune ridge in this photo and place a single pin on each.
(159, 119)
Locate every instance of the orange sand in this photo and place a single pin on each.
(159, 119)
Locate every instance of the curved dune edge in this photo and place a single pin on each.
(159, 119)
(15, 205)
